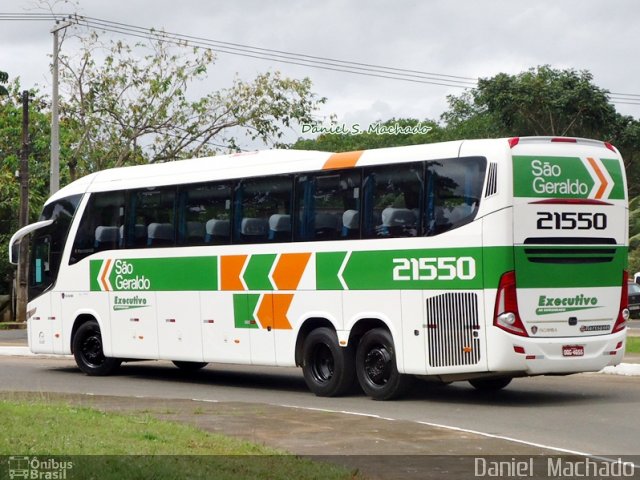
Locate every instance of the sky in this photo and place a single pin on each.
(469, 38)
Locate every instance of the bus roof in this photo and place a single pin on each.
(249, 164)
(270, 162)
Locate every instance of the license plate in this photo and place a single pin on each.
(634, 307)
(573, 350)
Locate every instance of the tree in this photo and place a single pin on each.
(4, 78)
(10, 144)
(540, 101)
(545, 101)
(130, 109)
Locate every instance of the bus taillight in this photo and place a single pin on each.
(506, 315)
(623, 313)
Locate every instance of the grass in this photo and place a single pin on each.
(633, 345)
(11, 326)
(163, 450)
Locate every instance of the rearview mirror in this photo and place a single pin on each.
(14, 254)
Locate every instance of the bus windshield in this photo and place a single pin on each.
(48, 243)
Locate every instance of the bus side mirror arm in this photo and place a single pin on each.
(14, 243)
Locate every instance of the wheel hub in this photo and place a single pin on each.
(323, 365)
(377, 363)
(92, 350)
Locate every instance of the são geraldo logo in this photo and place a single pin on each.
(584, 177)
(121, 275)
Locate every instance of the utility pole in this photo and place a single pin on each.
(23, 261)
(54, 177)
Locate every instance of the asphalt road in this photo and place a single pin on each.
(591, 413)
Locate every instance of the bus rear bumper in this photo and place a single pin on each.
(540, 356)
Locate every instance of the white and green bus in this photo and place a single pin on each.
(478, 260)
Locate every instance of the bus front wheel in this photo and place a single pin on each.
(328, 368)
(88, 351)
(376, 366)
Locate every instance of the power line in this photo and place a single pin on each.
(289, 58)
(288, 54)
(248, 51)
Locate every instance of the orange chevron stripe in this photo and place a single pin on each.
(230, 269)
(264, 315)
(603, 180)
(272, 311)
(289, 270)
(103, 278)
(342, 160)
(281, 304)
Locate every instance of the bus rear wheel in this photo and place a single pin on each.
(189, 366)
(328, 368)
(376, 366)
(88, 351)
(490, 384)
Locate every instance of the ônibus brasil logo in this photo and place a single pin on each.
(548, 305)
(125, 277)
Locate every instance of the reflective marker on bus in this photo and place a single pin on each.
(478, 260)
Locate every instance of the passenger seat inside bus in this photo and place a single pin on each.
(160, 235)
(350, 223)
(254, 229)
(217, 231)
(397, 221)
(106, 238)
(280, 227)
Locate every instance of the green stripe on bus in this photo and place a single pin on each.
(256, 274)
(615, 172)
(94, 270)
(569, 267)
(244, 304)
(327, 267)
(159, 274)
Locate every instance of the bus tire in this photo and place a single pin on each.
(328, 368)
(376, 366)
(490, 384)
(189, 366)
(88, 352)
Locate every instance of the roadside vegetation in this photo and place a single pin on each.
(633, 345)
(116, 446)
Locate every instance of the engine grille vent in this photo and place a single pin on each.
(452, 326)
(492, 180)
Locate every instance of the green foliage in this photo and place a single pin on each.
(10, 150)
(545, 101)
(134, 107)
(4, 78)
(540, 101)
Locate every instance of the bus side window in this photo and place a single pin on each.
(204, 214)
(328, 205)
(101, 226)
(152, 219)
(263, 210)
(453, 191)
(392, 198)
